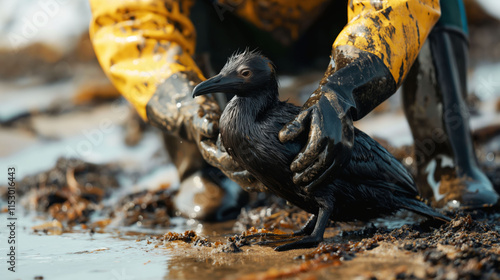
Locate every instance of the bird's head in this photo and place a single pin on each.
(245, 74)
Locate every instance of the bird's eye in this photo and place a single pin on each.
(246, 73)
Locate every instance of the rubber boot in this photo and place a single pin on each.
(434, 93)
(204, 192)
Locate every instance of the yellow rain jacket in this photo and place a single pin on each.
(140, 43)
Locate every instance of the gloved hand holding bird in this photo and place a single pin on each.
(369, 183)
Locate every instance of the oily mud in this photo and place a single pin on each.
(70, 192)
(466, 248)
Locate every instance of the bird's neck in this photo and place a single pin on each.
(242, 115)
(253, 107)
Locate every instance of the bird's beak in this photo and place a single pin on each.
(217, 83)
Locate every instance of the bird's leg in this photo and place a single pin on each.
(317, 234)
(267, 234)
(282, 238)
(308, 228)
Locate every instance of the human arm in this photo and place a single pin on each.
(370, 58)
(146, 49)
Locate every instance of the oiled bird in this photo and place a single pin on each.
(371, 185)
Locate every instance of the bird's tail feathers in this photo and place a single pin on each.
(423, 209)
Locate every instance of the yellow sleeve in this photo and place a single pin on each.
(393, 30)
(140, 43)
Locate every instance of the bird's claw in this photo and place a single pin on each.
(277, 238)
(271, 242)
(266, 234)
(306, 242)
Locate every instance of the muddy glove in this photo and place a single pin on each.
(174, 111)
(331, 135)
(353, 85)
(216, 155)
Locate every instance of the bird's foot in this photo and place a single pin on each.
(276, 239)
(275, 242)
(313, 231)
(267, 234)
(291, 242)
(306, 242)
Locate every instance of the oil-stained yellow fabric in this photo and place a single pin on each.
(393, 30)
(140, 43)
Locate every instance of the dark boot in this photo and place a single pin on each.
(433, 99)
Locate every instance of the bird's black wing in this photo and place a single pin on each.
(372, 164)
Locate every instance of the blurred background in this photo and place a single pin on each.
(55, 99)
(64, 126)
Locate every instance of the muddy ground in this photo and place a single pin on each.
(466, 248)
(72, 197)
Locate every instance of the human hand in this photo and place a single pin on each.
(174, 111)
(216, 155)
